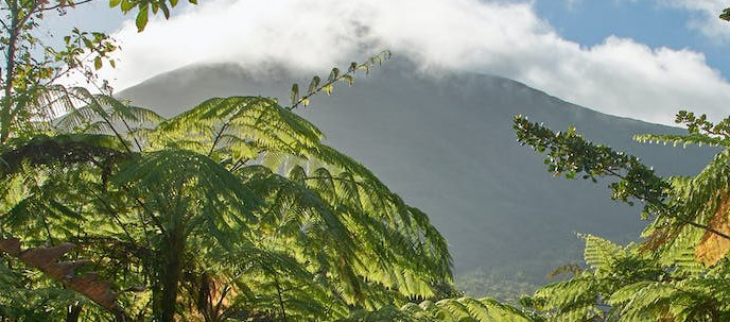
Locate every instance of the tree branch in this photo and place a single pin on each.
(64, 5)
(332, 80)
(664, 211)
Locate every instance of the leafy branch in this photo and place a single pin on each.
(316, 86)
(570, 154)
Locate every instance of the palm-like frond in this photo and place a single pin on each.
(450, 310)
(236, 200)
(626, 284)
(257, 130)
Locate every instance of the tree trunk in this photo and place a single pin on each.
(74, 311)
(7, 102)
(170, 275)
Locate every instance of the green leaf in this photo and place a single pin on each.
(294, 93)
(314, 84)
(328, 89)
(114, 3)
(165, 10)
(333, 75)
(141, 21)
(127, 5)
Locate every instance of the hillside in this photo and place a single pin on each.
(445, 143)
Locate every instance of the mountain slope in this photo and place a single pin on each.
(445, 143)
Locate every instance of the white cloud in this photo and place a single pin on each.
(705, 18)
(619, 76)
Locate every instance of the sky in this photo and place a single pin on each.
(644, 59)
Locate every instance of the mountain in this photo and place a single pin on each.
(445, 143)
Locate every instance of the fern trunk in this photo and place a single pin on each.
(172, 252)
(73, 314)
(74, 311)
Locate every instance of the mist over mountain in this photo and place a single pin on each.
(445, 143)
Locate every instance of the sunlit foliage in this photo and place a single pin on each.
(679, 272)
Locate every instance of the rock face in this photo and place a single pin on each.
(445, 143)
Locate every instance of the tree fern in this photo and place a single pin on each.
(232, 210)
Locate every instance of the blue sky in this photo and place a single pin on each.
(643, 59)
(589, 22)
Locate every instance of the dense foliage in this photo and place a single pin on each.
(232, 210)
(679, 272)
(235, 210)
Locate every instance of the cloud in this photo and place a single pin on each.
(619, 76)
(705, 16)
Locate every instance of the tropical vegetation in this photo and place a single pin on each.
(235, 210)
